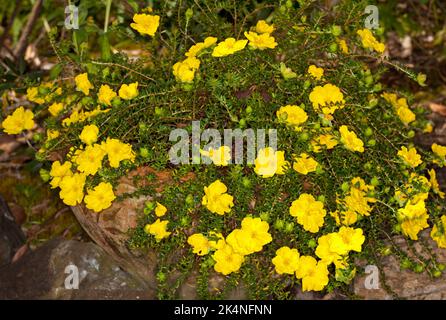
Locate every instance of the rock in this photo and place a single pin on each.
(406, 283)
(11, 236)
(50, 272)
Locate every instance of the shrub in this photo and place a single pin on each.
(345, 176)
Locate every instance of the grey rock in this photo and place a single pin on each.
(406, 284)
(50, 272)
(11, 236)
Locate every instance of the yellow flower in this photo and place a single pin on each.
(220, 156)
(357, 201)
(32, 95)
(227, 261)
(304, 164)
(314, 274)
(58, 172)
(309, 212)
(410, 156)
(351, 140)
(286, 260)
(184, 71)
(327, 140)
(89, 161)
(251, 237)
(145, 23)
(348, 239)
(325, 249)
(413, 218)
(316, 72)
(439, 150)
(199, 243)
(160, 210)
(216, 199)
(118, 151)
(369, 41)
(327, 99)
(228, 47)
(72, 189)
(260, 41)
(158, 229)
(129, 91)
(100, 198)
(89, 134)
(106, 95)
(83, 84)
(406, 115)
(438, 233)
(52, 134)
(346, 218)
(55, 108)
(343, 46)
(292, 115)
(18, 121)
(200, 46)
(263, 27)
(270, 162)
(434, 183)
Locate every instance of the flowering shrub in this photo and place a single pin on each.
(345, 174)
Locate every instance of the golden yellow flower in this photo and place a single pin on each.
(270, 162)
(286, 260)
(83, 84)
(100, 198)
(304, 164)
(118, 151)
(292, 115)
(72, 189)
(129, 91)
(410, 156)
(18, 121)
(309, 212)
(351, 140)
(228, 47)
(216, 199)
(316, 72)
(263, 27)
(160, 210)
(106, 95)
(89, 134)
(158, 229)
(145, 23)
(55, 108)
(260, 41)
(200, 244)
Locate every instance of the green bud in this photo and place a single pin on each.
(368, 166)
(437, 273)
(184, 221)
(405, 264)
(411, 134)
(319, 169)
(321, 198)
(37, 137)
(312, 243)
(289, 227)
(44, 175)
(242, 122)
(333, 47)
(304, 136)
(307, 84)
(189, 14)
(144, 152)
(368, 132)
(371, 142)
(421, 79)
(336, 30)
(190, 199)
(279, 224)
(161, 276)
(419, 267)
(374, 182)
(345, 186)
(116, 102)
(264, 216)
(44, 91)
(149, 206)
(386, 251)
(377, 87)
(369, 80)
(397, 228)
(159, 111)
(373, 102)
(248, 110)
(246, 182)
(441, 266)
(289, 4)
